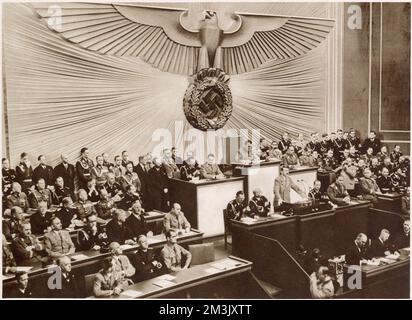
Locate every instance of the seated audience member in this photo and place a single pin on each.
(67, 214)
(24, 172)
(175, 220)
(58, 242)
(121, 264)
(92, 236)
(349, 178)
(69, 287)
(43, 171)
(380, 247)
(329, 163)
(367, 157)
(112, 187)
(406, 201)
(290, 158)
(136, 222)
(61, 190)
(259, 204)
(105, 207)
(210, 170)
(84, 207)
(172, 254)
(178, 160)
(17, 197)
(144, 261)
(130, 197)
(118, 170)
(40, 194)
(354, 154)
(67, 171)
(99, 172)
(169, 164)
(357, 251)
(189, 155)
(284, 143)
(361, 167)
(384, 181)
(8, 176)
(274, 152)
(283, 185)
(337, 192)
(338, 145)
(299, 144)
(402, 240)
(237, 208)
(189, 171)
(369, 187)
(9, 263)
(396, 154)
(382, 154)
(92, 192)
(387, 164)
(345, 155)
(305, 158)
(321, 284)
(107, 282)
(399, 181)
(313, 144)
(40, 221)
(158, 186)
(325, 144)
(314, 160)
(116, 229)
(12, 226)
(353, 140)
(375, 167)
(130, 178)
(316, 193)
(22, 288)
(373, 142)
(26, 246)
(125, 159)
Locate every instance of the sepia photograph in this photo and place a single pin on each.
(213, 151)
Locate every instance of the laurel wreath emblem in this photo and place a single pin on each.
(207, 79)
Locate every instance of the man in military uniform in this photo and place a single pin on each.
(172, 254)
(283, 185)
(158, 187)
(384, 182)
(117, 230)
(316, 194)
(40, 221)
(313, 144)
(130, 178)
(337, 192)
(284, 143)
(354, 154)
(396, 154)
(383, 153)
(67, 171)
(40, 194)
(129, 198)
(84, 169)
(339, 145)
(99, 172)
(106, 161)
(329, 163)
(84, 207)
(104, 207)
(112, 187)
(325, 144)
(118, 169)
(189, 171)
(210, 170)
(144, 261)
(24, 172)
(259, 204)
(373, 142)
(125, 159)
(238, 208)
(92, 236)
(369, 187)
(176, 220)
(8, 176)
(67, 214)
(353, 140)
(43, 171)
(92, 191)
(17, 198)
(11, 227)
(171, 168)
(290, 158)
(61, 191)
(26, 247)
(58, 242)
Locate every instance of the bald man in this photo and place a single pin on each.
(358, 250)
(58, 242)
(121, 263)
(175, 220)
(259, 204)
(69, 283)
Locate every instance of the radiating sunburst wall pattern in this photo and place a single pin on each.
(61, 97)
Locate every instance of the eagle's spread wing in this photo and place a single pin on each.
(153, 34)
(261, 38)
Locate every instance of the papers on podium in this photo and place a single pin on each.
(131, 294)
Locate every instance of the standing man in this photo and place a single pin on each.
(284, 143)
(65, 170)
(125, 159)
(158, 186)
(43, 171)
(8, 176)
(24, 172)
(84, 168)
(372, 142)
(282, 187)
(142, 173)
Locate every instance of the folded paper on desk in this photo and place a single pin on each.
(375, 262)
(163, 283)
(212, 270)
(225, 264)
(80, 256)
(131, 293)
(387, 260)
(248, 220)
(167, 277)
(392, 256)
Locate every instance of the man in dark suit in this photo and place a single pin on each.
(43, 171)
(142, 173)
(8, 176)
(380, 247)
(158, 186)
(116, 229)
(357, 251)
(69, 287)
(26, 247)
(67, 171)
(144, 261)
(135, 222)
(61, 191)
(40, 220)
(21, 289)
(403, 239)
(112, 187)
(372, 142)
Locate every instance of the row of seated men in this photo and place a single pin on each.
(149, 178)
(117, 271)
(336, 194)
(322, 280)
